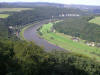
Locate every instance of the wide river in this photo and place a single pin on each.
(31, 34)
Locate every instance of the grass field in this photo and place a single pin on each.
(96, 20)
(13, 9)
(4, 15)
(64, 41)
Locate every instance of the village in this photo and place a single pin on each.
(77, 39)
(68, 15)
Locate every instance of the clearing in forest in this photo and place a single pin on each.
(96, 20)
(13, 9)
(4, 15)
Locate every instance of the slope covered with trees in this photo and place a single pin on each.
(17, 19)
(80, 27)
(39, 13)
(17, 58)
(3, 29)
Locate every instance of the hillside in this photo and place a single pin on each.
(19, 17)
(66, 42)
(29, 59)
(79, 27)
(4, 14)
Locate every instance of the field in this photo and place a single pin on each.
(96, 20)
(4, 15)
(64, 41)
(13, 9)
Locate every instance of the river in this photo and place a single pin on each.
(31, 34)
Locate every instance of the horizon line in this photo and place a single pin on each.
(49, 2)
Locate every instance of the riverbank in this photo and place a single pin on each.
(65, 41)
(30, 33)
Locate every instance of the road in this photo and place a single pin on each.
(31, 34)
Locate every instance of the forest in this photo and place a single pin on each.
(29, 16)
(20, 57)
(80, 27)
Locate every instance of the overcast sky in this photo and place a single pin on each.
(86, 2)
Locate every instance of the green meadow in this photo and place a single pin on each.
(4, 15)
(64, 41)
(13, 9)
(96, 20)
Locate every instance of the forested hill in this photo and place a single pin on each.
(29, 4)
(39, 13)
(80, 27)
(26, 58)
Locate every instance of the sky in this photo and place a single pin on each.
(85, 2)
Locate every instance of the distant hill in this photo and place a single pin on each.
(93, 9)
(22, 4)
(30, 4)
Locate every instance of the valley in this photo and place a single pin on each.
(30, 33)
(66, 42)
(41, 38)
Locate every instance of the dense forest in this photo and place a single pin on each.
(19, 57)
(3, 29)
(80, 27)
(25, 17)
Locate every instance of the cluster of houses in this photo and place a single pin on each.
(13, 30)
(90, 44)
(76, 39)
(69, 15)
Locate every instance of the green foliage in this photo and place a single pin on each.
(26, 58)
(84, 65)
(72, 26)
(3, 29)
(4, 15)
(8, 65)
(38, 14)
(66, 42)
(30, 15)
(95, 20)
(13, 9)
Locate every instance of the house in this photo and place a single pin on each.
(90, 44)
(10, 27)
(53, 30)
(98, 44)
(75, 39)
(63, 15)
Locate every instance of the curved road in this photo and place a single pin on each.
(31, 34)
